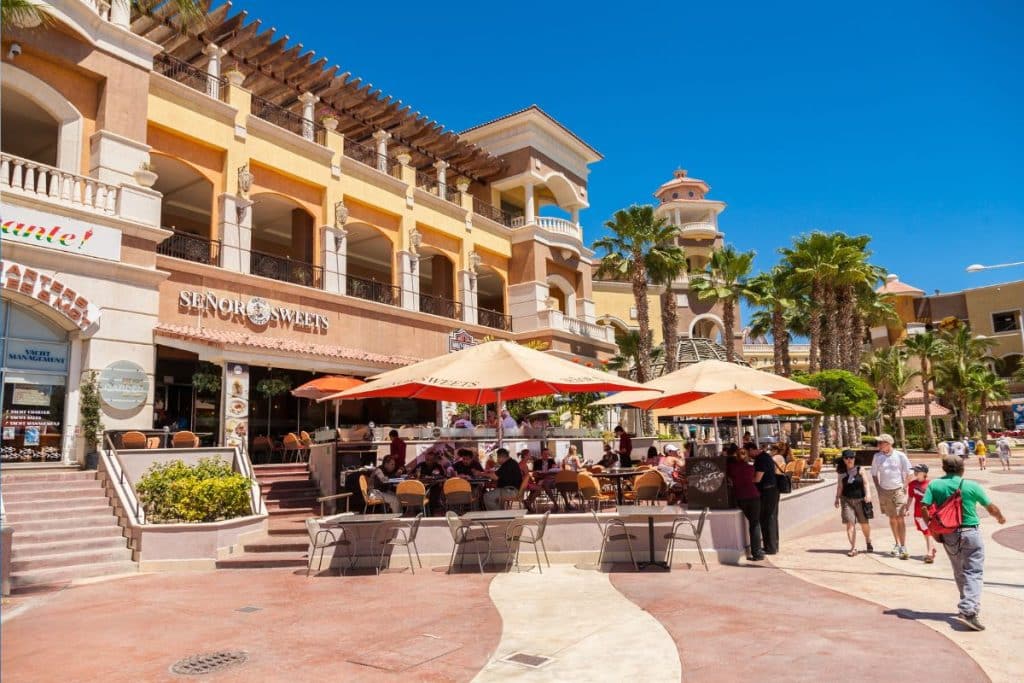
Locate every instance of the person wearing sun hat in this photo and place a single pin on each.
(851, 496)
(890, 469)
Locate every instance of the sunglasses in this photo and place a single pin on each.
(849, 457)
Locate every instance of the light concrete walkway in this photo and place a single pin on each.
(577, 618)
(927, 593)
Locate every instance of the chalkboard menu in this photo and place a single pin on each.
(706, 485)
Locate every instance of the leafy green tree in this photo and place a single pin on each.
(927, 349)
(961, 355)
(844, 394)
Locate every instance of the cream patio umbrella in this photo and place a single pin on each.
(705, 378)
(491, 372)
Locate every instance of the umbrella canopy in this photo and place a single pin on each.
(491, 372)
(733, 402)
(709, 377)
(325, 386)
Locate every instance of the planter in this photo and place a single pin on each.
(329, 122)
(92, 460)
(145, 178)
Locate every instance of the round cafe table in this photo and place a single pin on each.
(618, 476)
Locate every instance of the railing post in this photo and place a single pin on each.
(442, 178)
(120, 13)
(382, 137)
(213, 69)
(308, 100)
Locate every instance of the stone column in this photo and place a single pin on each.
(442, 177)
(382, 137)
(335, 248)
(468, 296)
(235, 232)
(529, 211)
(409, 280)
(308, 100)
(574, 215)
(213, 69)
(120, 13)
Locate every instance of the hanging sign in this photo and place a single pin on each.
(124, 385)
(23, 225)
(459, 340)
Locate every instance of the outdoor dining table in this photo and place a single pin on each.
(618, 476)
(485, 517)
(352, 519)
(651, 513)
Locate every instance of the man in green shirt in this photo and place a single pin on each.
(965, 547)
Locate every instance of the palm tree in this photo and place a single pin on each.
(887, 371)
(635, 233)
(32, 13)
(961, 356)
(628, 357)
(769, 291)
(725, 280)
(985, 387)
(665, 263)
(927, 349)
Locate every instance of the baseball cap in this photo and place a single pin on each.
(671, 448)
(887, 438)
(847, 453)
(921, 468)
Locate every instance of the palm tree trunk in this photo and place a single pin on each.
(670, 328)
(815, 438)
(830, 330)
(643, 318)
(778, 339)
(929, 428)
(787, 360)
(728, 321)
(903, 428)
(814, 330)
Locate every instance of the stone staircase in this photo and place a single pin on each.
(64, 528)
(290, 494)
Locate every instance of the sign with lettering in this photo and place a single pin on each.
(124, 385)
(459, 340)
(1017, 406)
(50, 291)
(23, 225)
(259, 312)
(27, 355)
(236, 406)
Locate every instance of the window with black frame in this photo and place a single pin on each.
(1005, 321)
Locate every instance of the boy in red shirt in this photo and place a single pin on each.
(915, 492)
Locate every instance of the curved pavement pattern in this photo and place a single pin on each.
(588, 629)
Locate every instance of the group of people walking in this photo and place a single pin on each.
(902, 490)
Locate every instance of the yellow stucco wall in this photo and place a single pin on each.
(984, 301)
(616, 300)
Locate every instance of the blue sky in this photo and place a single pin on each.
(899, 120)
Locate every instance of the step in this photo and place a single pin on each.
(107, 530)
(23, 477)
(63, 512)
(286, 484)
(28, 551)
(60, 575)
(72, 558)
(284, 480)
(104, 518)
(297, 503)
(288, 494)
(67, 502)
(263, 561)
(289, 512)
(46, 488)
(281, 544)
(276, 467)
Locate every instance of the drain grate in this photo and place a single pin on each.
(248, 610)
(209, 662)
(523, 659)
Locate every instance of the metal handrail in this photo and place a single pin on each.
(495, 319)
(241, 463)
(285, 269)
(140, 513)
(373, 290)
(368, 156)
(289, 120)
(482, 208)
(439, 305)
(189, 247)
(195, 78)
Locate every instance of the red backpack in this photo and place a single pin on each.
(947, 517)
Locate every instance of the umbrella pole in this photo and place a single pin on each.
(501, 429)
(757, 439)
(718, 436)
(336, 404)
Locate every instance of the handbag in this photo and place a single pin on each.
(949, 516)
(869, 509)
(783, 481)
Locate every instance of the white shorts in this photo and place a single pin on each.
(922, 526)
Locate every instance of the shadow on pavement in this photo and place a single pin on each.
(945, 617)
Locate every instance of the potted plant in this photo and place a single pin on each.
(206, 380)
(91, 418)
(329, 121)
(145, 175)
(271, 387)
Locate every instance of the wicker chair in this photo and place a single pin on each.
(153, 442)
(519, 498)
(567, 485)
(590, 490)
(683, 529)
(457, 494)
(369, 499)
(526, 531)
(402, 534)
(184, 439)
(293, 448)
(614, 529)
(412, 494)
(321, 539)
(646, 487)
(132, 440)
(463, 534)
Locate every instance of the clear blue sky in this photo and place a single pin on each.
(901, 120)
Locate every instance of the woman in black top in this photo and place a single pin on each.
(851, 494)
(767, 483)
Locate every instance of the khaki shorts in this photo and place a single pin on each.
(853, 510)
(892, 502)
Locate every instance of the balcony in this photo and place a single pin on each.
(32, 179)
(286, 270)
(429, 184)
(556, 320)
(186, 74)
(482, 208)
(372, 290)
(557, 226)
(438, 305)
(368, 156)
(698, 231)
(289, 120)
(189, 247)
(494, 319)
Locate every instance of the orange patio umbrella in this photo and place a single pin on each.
(325, 386)
(734, 403)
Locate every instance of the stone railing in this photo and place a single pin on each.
(46, 182)
(552, 224)
(768, 348)
(700, 230)
(583, 328)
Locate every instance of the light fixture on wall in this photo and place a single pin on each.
(474, 261)
(340, 214)
(16, 47)
(245, 178)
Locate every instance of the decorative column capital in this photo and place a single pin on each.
(403, 154)
(340, 214)
(214, 51)
(415, 239)
(381, 136)
(441, 164)
(308, 99)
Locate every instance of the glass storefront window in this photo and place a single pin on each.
(34, 377)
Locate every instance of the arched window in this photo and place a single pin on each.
(282, 241)
(38, 122)
(369, 257)
(187, 209)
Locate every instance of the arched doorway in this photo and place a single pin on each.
(708, 326)
(369, 258)
(282, 241)
(563, 294)
(187, 209)
(490, 299)
(34, 371)
(437, 284)
(38, 122)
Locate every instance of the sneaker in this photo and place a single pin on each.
(870, 548)
(971, 621)
(895, 550)
(904, 555)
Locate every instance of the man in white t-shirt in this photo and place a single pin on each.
(507, 421)
(958, 448)
(891, 471)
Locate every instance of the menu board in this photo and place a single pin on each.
(31, 395)
(236, 406)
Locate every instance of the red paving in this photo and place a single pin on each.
(1012, 538)
(759, 623)
(134, 629)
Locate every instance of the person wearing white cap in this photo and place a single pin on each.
(891, 471)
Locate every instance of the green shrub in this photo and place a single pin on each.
(205, 492)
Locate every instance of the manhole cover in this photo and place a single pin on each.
(248, 610)
(523, 659)
(209, 662)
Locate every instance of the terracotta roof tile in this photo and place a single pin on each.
(222, 338)
(917, 410)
